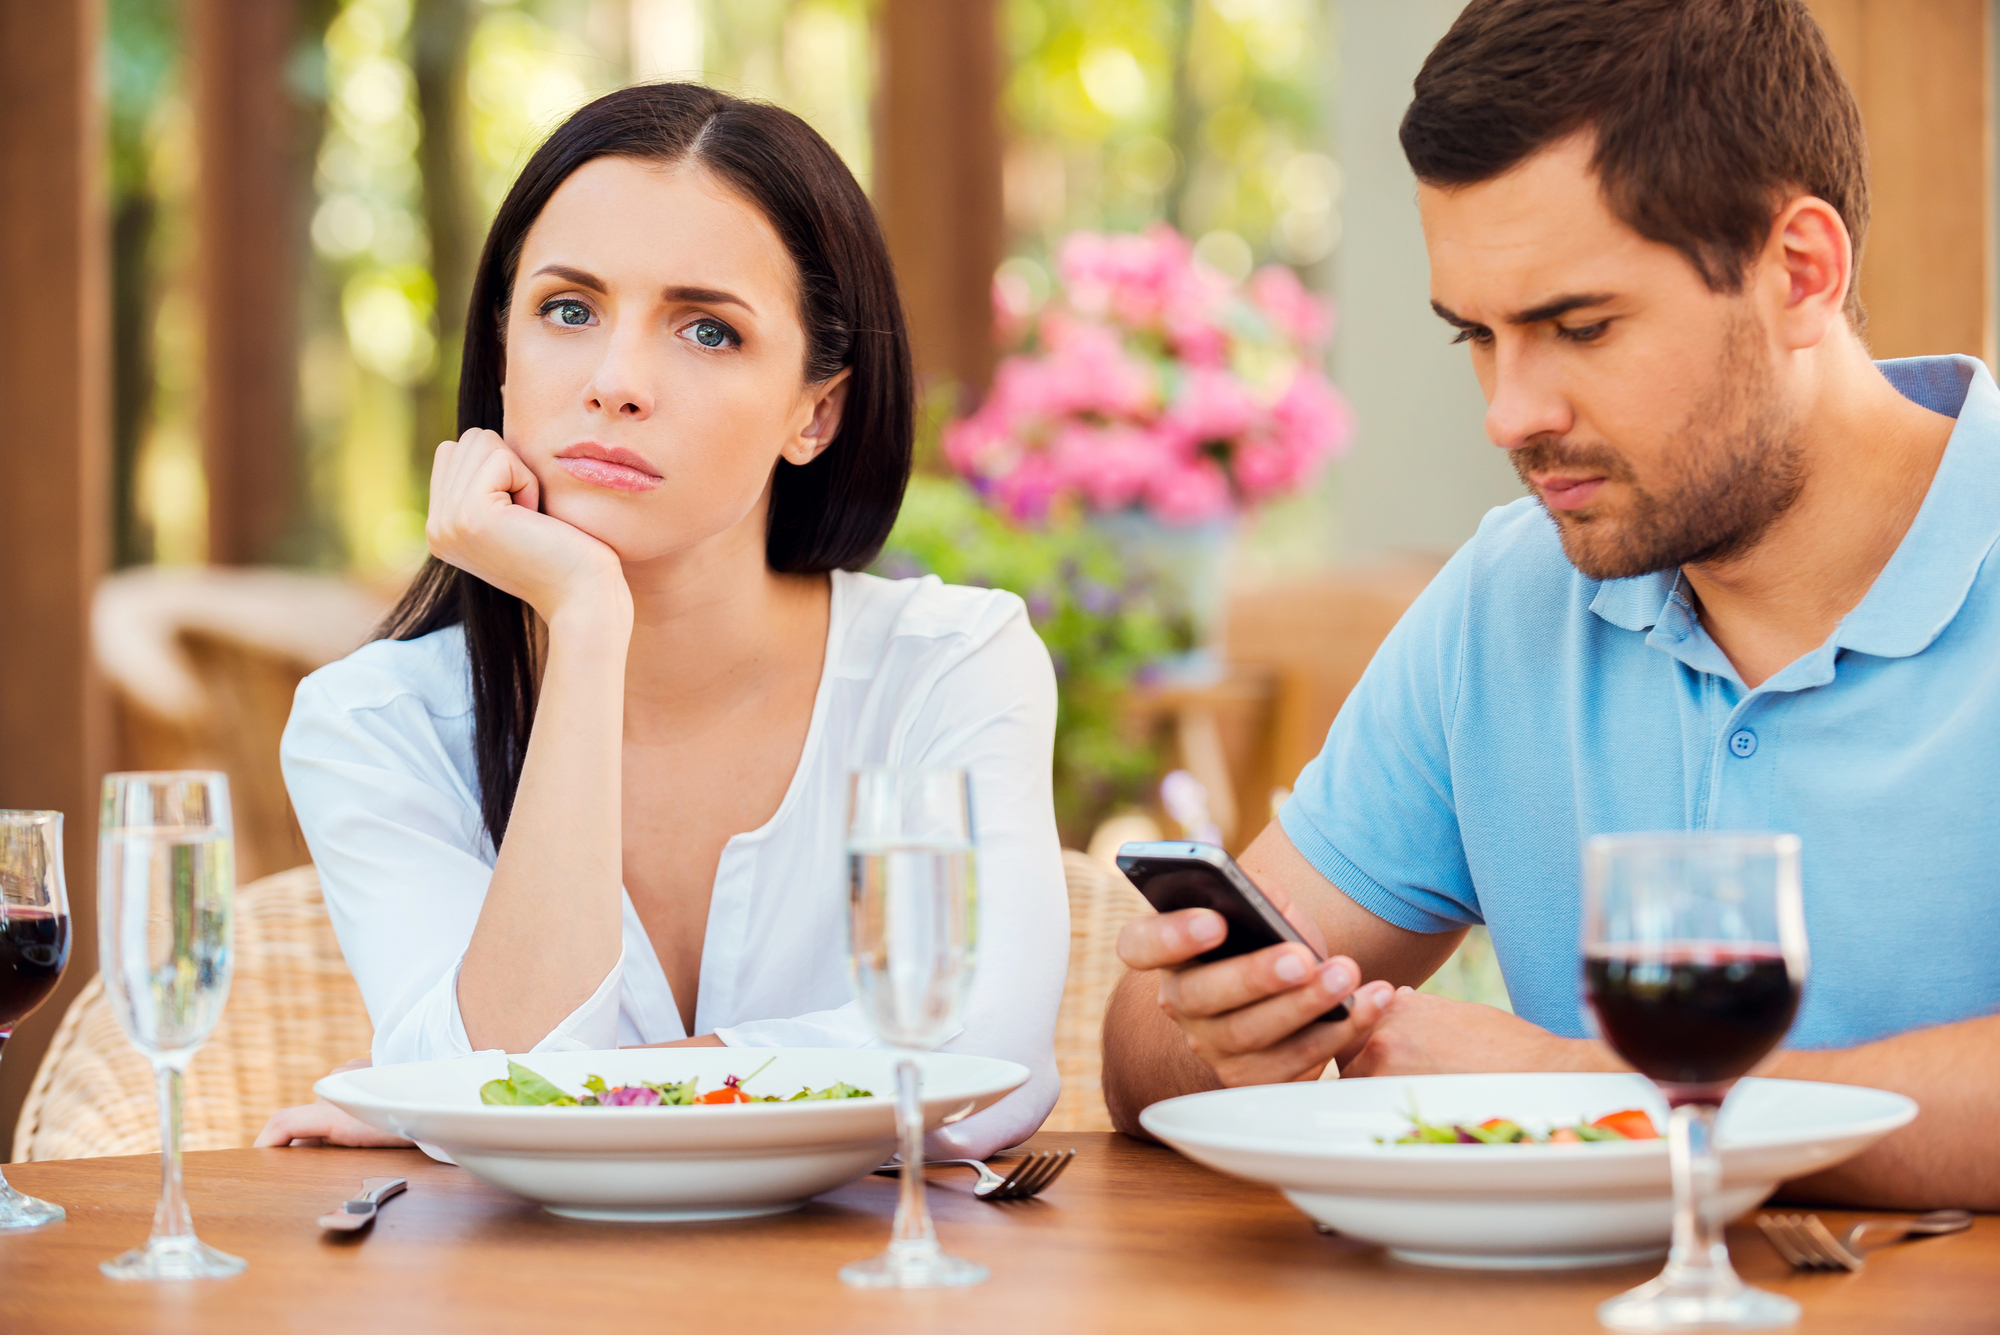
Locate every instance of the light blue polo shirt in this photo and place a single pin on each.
(1520, 707)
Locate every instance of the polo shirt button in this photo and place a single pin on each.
(1743, 743)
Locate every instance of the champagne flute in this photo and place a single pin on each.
(912, 932)
(166, 884)
(34, 947)
(1694, 955)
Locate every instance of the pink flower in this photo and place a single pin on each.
(1109, 464)
(1027, 492)
(1312, 418)
(1212, 405)
(1299, 314)
(1189, 492)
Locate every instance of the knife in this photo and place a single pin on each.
(360, 1212)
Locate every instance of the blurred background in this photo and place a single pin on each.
(244, 231)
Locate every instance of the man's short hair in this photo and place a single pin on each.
(1708, 115)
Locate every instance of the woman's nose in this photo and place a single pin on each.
(620, 388)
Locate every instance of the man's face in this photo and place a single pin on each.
(1638, 405)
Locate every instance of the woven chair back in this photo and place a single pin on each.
(294, 1014)
(1101, 901)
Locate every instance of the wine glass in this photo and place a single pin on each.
(912, 930)
(166, 885)
(1694, 955)
(34, 947)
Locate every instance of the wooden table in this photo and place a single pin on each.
(1133, 1238)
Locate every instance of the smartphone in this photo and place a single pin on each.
(1174, 876)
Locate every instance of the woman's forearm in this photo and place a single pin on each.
(551, 926)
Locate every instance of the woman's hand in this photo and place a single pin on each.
(485, 518)
(320, 1123)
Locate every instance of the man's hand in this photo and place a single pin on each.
(1420, 1034)
(1254, 1019)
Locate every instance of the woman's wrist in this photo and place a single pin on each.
(599, 608)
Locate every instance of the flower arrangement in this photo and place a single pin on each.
(1102, 624)
(1151, 381)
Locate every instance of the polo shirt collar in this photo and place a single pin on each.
(1927, 579)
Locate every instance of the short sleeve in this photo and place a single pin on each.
(1373, 812)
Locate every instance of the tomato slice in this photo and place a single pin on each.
(1631, 1123)
(727, 1094)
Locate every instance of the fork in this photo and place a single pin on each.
(1808, 1244)
(1030, 1177)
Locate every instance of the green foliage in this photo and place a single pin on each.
(1101, 627)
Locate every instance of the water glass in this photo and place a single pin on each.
(34, 948)
(1694, 956)
(166, 886)
(913, 931)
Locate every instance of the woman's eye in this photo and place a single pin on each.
(571, 313)
(711, 333)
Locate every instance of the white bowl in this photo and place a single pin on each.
(1510, 1206)
(722, 1162)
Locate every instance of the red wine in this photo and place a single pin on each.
(1691, 1014)
(34, 947)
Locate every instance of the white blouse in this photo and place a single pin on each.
(379, 761)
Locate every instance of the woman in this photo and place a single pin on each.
(589, 790)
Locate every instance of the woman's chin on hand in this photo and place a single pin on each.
(485, 518)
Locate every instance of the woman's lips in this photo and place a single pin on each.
(618, 477)
(1569, 493)
(608, 466)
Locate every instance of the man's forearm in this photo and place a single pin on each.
(1947, 1157)
(1145, 1057)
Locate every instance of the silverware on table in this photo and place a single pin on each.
(360, 1212)
(1808, 1244)
(1030, 1177)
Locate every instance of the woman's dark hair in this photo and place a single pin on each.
(833, 513)
(1707, 114)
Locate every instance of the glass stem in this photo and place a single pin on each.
(5, 1034)
(171, 1221)
(913, 1231)
(1700, 1256)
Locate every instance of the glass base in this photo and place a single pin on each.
(174, 1258)
(19, 1212)
(1662, 1305)
(913, 1268)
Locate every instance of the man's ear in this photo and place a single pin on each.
(1809, 249)
(829, 402)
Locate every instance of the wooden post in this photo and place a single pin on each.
(937, 178)
(248, 132)
(54, 459)
(1922, 72)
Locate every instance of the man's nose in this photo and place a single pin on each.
(1524, 405)
(620, 387)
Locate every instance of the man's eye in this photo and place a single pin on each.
(1584, 334)
(571, 313)
(711, 333)
(1476, 335)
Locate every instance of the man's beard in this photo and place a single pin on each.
(1738, 468)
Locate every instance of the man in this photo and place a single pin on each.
(1750, 591)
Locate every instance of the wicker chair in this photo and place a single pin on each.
(294, 1014)
(1101, 901)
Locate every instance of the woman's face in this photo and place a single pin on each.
(655, 359)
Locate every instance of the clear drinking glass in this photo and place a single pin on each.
(912, 935)
(34, 948)
(166, 885)
(1694, 956)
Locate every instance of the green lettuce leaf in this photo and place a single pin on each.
(524, 1089)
